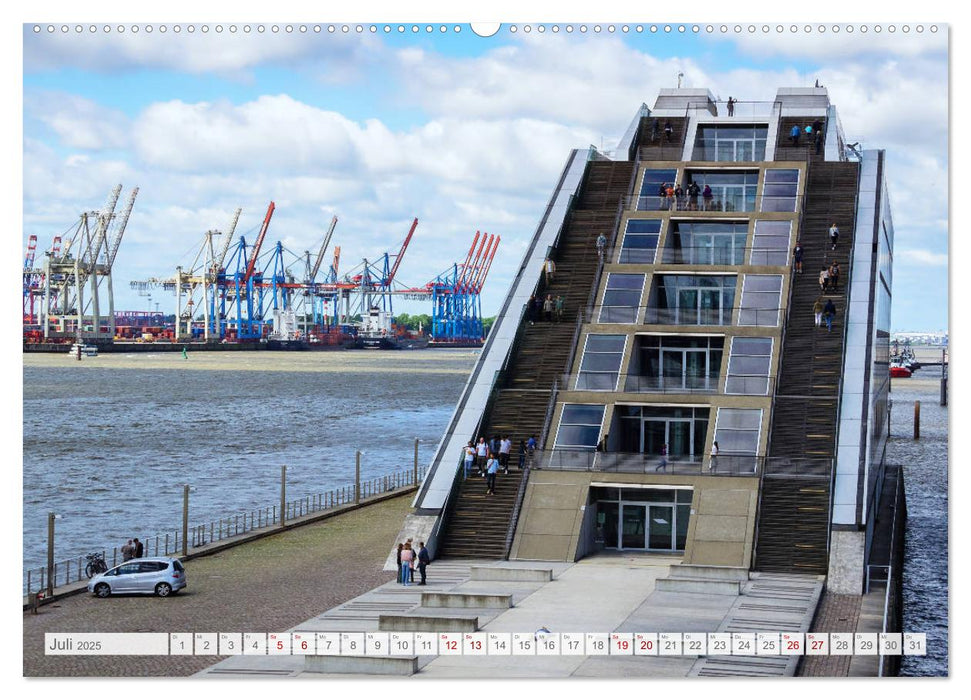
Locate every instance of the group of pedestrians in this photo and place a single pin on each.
(829, 277)
(410, 559)
(656, 129)
(549, 308)
(486, 458)
(813, 133)
(673, 197)
(133, 549)
(824, 312)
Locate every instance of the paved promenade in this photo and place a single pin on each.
(605, 593)
(267, 585)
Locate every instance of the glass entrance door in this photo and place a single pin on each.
(676, 433)
(661, 527)
(633, 526)
(679, 439)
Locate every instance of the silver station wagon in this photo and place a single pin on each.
(159, 575)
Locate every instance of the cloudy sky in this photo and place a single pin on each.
(465, 133)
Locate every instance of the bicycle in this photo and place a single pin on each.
(96, 564)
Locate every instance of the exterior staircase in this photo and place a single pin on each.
(477, 525)
(806, 150)
(794, 508)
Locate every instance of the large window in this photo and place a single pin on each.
(579, 426)
(731, 190)
(761, 296)
(706, 243)
(640, 241)
(730, 143)
(692, 300)
(600, 364)
(780, 190)
(622, 297)
(676, 364)
(770, 245)
(651, 187)
(648, 429)
(737, 434)
(642, 518)
(749, 362)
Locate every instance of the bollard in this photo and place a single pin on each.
(916, 420)
(283, 494)
(185, 520)
(416, 461)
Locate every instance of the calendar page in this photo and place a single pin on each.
(365, 344)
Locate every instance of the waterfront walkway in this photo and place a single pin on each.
(264, 585)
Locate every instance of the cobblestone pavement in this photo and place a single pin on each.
(269, 585)
(837, 613)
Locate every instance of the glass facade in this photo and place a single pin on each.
(642, 519)
(622, 298)
(733, 143)
(731, 190)
(640, 241)
(600, 364)
(651, 197)
(749, 362)
(579, 426)
(737, 432)
(692, 300)
(706, 243)
(761, 297)
(647, 429)
(771, 243)
(779, 192)
(671, 363)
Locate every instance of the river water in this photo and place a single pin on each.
(110, 441)
(925, 584)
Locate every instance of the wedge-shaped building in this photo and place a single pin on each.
(688, 400)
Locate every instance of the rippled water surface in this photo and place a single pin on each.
(925, 585)
(110, 441)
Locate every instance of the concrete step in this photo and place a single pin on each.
(502, 573)
(465, 600)
(427, 623)
(368, 665)
(715, 573)
(699, 585)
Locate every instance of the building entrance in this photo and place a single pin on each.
(643, 519)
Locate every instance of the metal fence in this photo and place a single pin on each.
(72, 570)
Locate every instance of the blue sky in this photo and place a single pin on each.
(463, 132)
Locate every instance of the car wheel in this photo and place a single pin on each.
(162, 590)
(102, 590)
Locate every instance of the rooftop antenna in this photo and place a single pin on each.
(680, 76)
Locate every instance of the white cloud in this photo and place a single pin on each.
(832, 45)
(910, 256)
(78, 122)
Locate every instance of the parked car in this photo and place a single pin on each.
(159, 575)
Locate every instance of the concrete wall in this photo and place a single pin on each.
(555, 508)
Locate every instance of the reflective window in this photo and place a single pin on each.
(651, 197)
(600, 365)
(730, 143)
(621, 299)
(779, 190)
(579, 426)
(737, 433)
(648, 429)
(761, 295)
(731, 190)
(748, 366)
(640, 241)
(770, 245)
(694, 300)
(706, 243)
(672, 363)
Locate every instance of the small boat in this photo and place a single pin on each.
(899, 371)
(84, 349)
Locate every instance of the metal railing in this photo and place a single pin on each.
(688, 383)
(171, 542)
(725, 464)
(650, 315)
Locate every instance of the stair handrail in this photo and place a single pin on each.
(547, 419)
(517, 509)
